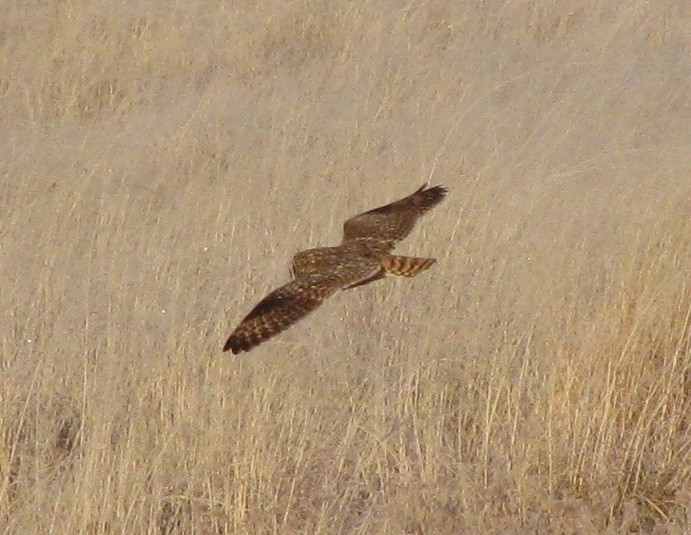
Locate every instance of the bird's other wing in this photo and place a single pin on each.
(391, 223)
(280, 309)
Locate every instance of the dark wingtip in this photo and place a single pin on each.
(438, 190)
(430, 197)
(235, 345)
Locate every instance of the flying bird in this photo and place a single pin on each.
(363, 256)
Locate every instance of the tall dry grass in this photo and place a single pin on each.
(160, 165)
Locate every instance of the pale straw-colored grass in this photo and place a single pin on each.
(160, 164)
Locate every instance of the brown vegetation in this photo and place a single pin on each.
(161, 162)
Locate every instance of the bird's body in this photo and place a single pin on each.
(348, 259)
(363, 257)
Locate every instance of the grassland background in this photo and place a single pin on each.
(160, 164)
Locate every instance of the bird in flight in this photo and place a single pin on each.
(363, 256)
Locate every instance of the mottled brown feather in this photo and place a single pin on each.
(362, 257)
(281, 309)
(393, 222)
(406, 266)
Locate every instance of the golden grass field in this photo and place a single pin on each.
(162, 162)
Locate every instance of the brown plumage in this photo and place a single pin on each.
(362, 257)
(406, 266)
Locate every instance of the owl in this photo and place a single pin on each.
(364, 256)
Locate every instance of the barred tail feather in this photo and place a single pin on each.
(406, 266)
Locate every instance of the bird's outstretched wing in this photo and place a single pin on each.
(280, 309)
(319, 273)
(391, 223)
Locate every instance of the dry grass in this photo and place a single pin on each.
(161, 163)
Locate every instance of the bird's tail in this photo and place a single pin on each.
(406, 266)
